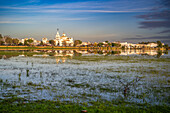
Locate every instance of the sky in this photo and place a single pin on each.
(130, 21)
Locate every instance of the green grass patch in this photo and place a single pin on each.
(15, 104)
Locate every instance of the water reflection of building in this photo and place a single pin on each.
(139, 52)
(82, 51)
(45, 55)
(64, 53)
(121, 52)
(62, 59)
(4, 57)
(61, 55)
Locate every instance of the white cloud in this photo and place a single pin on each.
(90, 6)
(33, 1)
(13, 22)
(78, 11)
(75, 18)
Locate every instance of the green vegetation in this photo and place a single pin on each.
(28, 42)
(52, 42)
(76, 42)
(116, 45)
(7, 40)
(166, 46)
(159, 44)
(128, 59)
(43, 106)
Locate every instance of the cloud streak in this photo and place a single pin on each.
(159, 18)
(155, 24)
(14, 22)
(150, 38)
(165, 31)
(89, 6)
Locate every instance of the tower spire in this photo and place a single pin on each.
(57, 35)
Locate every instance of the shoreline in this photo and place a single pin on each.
(71, 48)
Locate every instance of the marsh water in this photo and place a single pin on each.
(134, 76)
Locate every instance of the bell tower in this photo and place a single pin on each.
(57, 35)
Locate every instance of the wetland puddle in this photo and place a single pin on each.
(84, 76)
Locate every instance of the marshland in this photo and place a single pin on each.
(96, 81)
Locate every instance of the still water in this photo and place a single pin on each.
(83, 76)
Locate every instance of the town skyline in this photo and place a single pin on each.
(91, 20)
(61, 33)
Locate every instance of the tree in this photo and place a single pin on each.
(8, 40)
(166, 46)
(100, 44)
(52, 42)
(15, 41)
(20, 44)
(30, 41)
(159, 43)
(116, 44)
(26, 43)
(106, 41)
(1, 42)
(76, 42)
(109, 44)
(41, 43)
(123, 47)
(95, 44)
(1, 37)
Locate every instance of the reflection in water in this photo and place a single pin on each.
(62, 59)
(89, 79)
(70, 53)
(64, 53)
(57, 60)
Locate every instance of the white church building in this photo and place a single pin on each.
(63, 40)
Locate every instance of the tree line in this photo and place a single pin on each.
(7, 40)
(159, 43)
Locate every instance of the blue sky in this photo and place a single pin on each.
(87, 20)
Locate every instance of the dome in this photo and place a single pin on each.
(64, 35)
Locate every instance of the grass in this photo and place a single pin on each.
(127, 59)
(32, 84)
(16, 104)
(79, 85)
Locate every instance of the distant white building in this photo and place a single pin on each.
(35, 42)
(85, 43)
(130, 45)
(44, 40)
(152, 45)
(63, 40)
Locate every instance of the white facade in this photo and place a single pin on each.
(63, 40)
(130, 45)
(152, 45)
(44, 40)
(35, 42)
